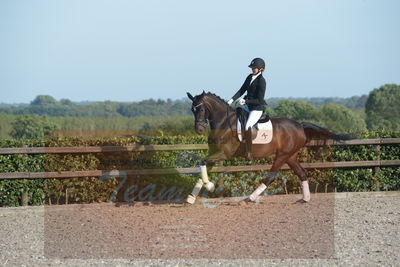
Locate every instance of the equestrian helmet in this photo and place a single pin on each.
(257, 63)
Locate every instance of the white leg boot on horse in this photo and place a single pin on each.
(306, 191)
(301, 173)
(195, 192)
(207, 184)
(253, 197)
(261, 188)
(202, 181)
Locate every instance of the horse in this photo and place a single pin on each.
(288, 138)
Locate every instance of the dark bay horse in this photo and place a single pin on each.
(288, 138)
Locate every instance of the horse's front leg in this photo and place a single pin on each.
(219, 151)
(209, 163)
(204, 180)
(212, 159)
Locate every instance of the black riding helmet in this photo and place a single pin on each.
(257, 63)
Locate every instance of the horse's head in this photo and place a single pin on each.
(200, 111)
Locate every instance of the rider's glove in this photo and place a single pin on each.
(242, 102)
(230, 101)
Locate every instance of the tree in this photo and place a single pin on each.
(31, 127)
(383, 108)
(297, 110)
(42, 100)
(67, 102)
(341, 119)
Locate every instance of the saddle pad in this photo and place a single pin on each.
(264, 133)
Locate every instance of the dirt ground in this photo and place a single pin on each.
(276, 227)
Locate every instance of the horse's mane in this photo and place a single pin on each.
(214, 96)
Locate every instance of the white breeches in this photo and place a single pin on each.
(254, 116)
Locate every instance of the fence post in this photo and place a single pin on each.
(66, 195)
(24, 198)
(377, 169)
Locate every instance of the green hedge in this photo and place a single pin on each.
(95, 189)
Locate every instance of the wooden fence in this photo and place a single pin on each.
(376, 164)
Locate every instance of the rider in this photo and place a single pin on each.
(254, 100)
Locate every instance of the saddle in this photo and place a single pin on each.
(261, 132)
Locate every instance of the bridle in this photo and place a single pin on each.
(203, 123)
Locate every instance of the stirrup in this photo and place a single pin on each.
(249, 157)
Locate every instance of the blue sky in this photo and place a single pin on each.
(129, 50)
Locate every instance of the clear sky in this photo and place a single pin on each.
(130, 50)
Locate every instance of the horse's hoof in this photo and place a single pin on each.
(210, 186)
(301, 201)
(190, 199)
(248, 200)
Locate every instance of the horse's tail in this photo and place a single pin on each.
(313, 131)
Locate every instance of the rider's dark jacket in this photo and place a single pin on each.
(255, 92)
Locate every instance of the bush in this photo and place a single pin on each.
(175, 186)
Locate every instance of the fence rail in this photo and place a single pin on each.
(139, 148)
(144, 172)
(108, 149)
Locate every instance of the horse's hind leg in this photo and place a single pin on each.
(276, 166)
(301, 173)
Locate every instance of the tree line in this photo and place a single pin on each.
(49, 106)
(379, 110)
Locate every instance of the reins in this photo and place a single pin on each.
(229, 122)
(203, 122)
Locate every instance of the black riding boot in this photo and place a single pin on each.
(248, 145)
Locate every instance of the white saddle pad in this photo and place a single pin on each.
(264, 133)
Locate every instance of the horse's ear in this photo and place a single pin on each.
(190, 96)
(203, 92)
